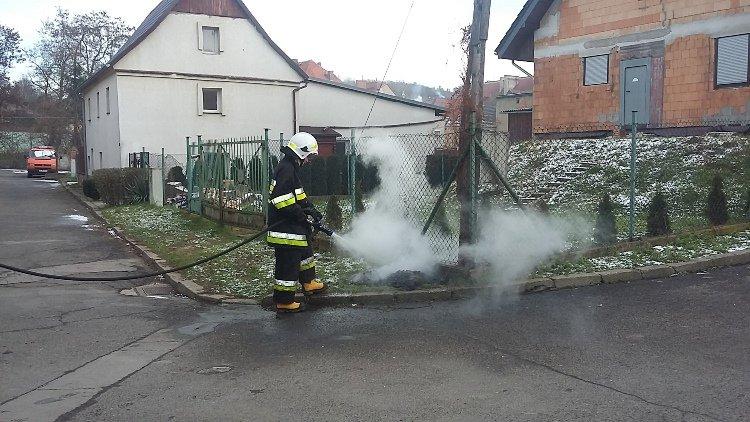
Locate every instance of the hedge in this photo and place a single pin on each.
(121, 186)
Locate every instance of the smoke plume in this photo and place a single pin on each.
(387, 235)
(512, 244)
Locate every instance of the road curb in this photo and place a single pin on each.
(195, 291)
(182, 285)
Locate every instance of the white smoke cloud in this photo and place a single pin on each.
(387, 235)
(512, 244)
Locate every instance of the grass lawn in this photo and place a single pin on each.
(685, 248)
(181, 238)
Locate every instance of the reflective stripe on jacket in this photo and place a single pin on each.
(287, 202)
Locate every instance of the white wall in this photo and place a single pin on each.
(102, 132)
(161, 112)
(173, 47)
(325, 105)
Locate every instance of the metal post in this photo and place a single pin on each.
(353, 172)
(631, 223)
(265, 175)
(201, 176)
(188, 176)
(163, 182)
(220, 179)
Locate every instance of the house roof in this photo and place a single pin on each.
(320, 131)
(153, 20)
(517, 44)
(523, 86)
(378, 94)
(314, 69)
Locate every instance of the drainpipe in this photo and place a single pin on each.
(294, 105)
(513, 62)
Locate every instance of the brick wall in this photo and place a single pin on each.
(685, 93)
(562, 102)
(689, 93)
(611, 18)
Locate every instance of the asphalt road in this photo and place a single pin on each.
(667, 350)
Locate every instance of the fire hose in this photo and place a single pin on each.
(317, 225)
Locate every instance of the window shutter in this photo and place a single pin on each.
(731, 60)
(596, 70)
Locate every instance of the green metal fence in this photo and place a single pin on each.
(228, 175)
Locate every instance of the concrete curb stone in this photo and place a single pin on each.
(535, 285)
(576, 280)
(197, 292)
(656, 271)
(620, 275)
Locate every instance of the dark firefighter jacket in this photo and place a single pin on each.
(287, 204)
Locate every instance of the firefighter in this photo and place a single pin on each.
(291, 238)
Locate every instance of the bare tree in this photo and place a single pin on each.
(69, 50)
(72, 47)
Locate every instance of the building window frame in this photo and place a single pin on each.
(716, 64)
(606, 68)
(98, 106)
(202, 90)
(89, 107)
(107, 100)
(202, 27)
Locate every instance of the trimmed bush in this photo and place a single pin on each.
(121, 186)
(746, 209)
(336, 176)
(176, 174)
(334, 217)
(605, 230)
(657, 223)
(716, 207)
(89, 189)
(367, 176)
(438, 169)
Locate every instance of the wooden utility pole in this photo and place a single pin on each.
(472, 111)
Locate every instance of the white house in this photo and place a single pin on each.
(207, 67)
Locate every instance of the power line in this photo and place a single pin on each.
(393, 54)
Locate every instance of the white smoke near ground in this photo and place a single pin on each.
(511, 245)
(387, 235)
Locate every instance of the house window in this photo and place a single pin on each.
(107, 99)
(596, 70)
(211, 39)
(732, 55)
(101, 160)
(211, 100)
(89, 107)
(98, 109)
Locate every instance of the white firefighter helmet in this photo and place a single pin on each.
(303, 144)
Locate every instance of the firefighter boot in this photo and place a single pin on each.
(289, 308)
(313, 287)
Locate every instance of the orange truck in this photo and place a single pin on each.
(40, 161)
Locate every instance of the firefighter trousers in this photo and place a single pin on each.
(292, 265)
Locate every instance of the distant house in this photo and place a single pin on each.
(374, 86)
(514, 110)
(207, 67)
(676, 63)
(316, 70)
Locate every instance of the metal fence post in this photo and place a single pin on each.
(163, 181)
(201, 175)
(631, 222)
(265, 184)
(188, 176)
(353, 172)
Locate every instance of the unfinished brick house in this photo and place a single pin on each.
(676, 63)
